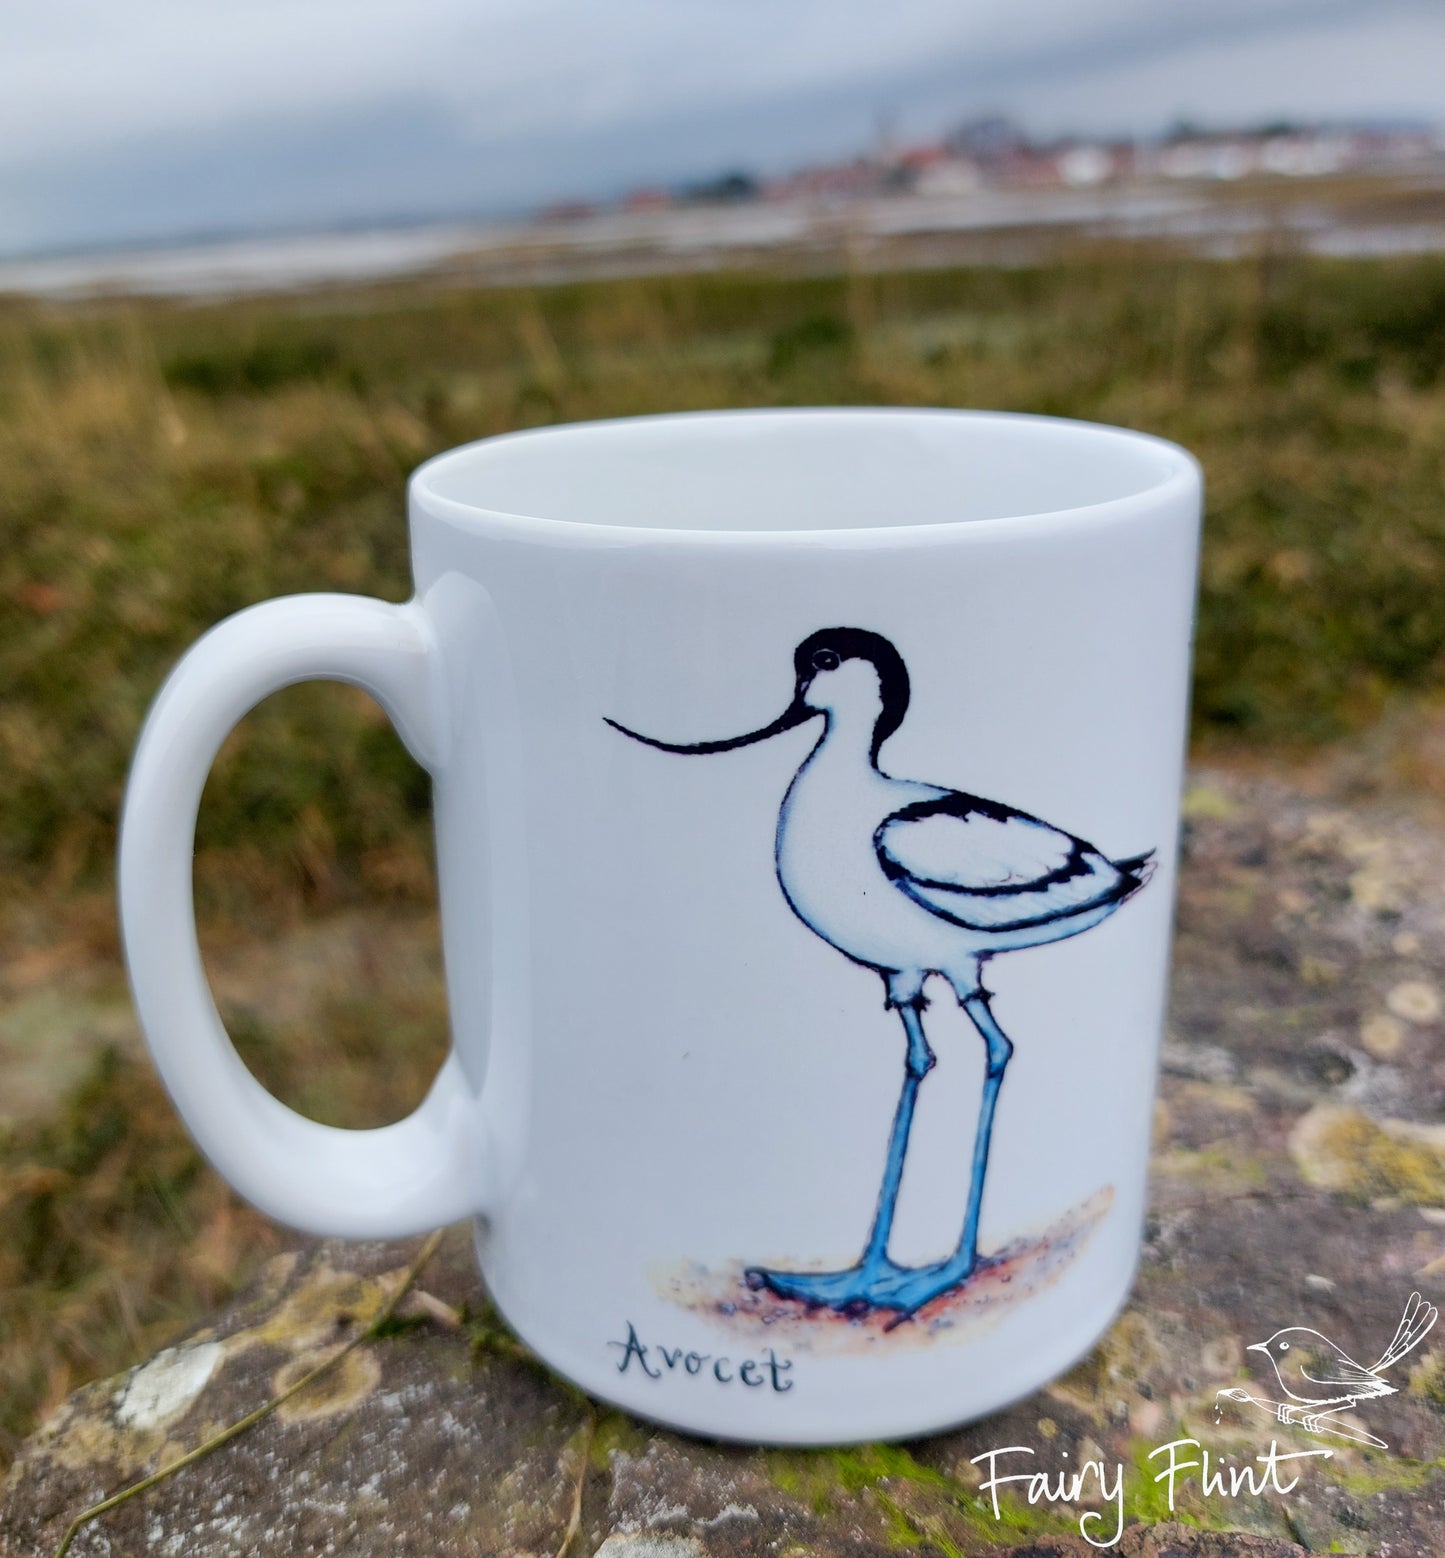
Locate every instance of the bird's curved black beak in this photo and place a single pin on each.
(797, 713)
(1258, 1347)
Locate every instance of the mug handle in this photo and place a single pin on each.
(423, 1171)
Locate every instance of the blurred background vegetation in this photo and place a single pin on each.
(162, 465)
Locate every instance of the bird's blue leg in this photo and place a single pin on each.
(907, 1290)
(870, 1282)
(919, 1063)
(1000, 1049)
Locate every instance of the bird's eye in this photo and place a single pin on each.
(825, 660)
(1284, 1346)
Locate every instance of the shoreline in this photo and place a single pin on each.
(1341, 218)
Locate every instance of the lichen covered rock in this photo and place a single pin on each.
(1299, 1181)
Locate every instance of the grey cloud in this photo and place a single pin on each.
(273, 114)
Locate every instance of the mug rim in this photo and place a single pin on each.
(1180, 476)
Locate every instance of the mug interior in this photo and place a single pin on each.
(803, 470)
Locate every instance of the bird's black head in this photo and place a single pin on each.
(829, 650)
(815, 661)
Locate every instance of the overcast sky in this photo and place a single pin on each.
(127, 120)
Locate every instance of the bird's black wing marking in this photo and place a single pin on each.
(987, 866)
(1417, 1319)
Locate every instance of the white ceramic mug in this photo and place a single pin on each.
(692, 1100)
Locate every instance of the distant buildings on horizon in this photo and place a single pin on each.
(995, 153)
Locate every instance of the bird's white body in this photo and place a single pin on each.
(963, 886)
(828, 865)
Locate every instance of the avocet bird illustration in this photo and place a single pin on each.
(910, 880)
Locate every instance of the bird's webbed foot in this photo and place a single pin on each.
(871, 1285)
(854, 1291)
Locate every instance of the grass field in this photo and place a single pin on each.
(162, 465)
